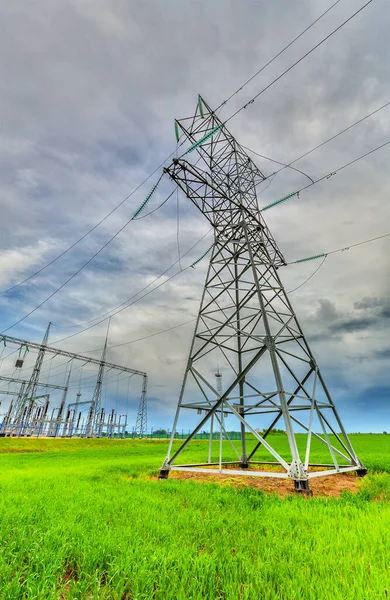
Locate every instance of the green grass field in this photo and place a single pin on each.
(87, 519)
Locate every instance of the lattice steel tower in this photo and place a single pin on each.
(247, 325)
(141, 424)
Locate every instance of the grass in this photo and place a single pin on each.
(87, 519)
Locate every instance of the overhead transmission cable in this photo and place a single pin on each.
(190, 149)
(267, 207)
(299, 261)
(322, 255)
(172, 153)
(310, 276)
(159, 166)
(277, 55)
(131, 301)
(298, 61)
(343, 249)
(289, 165)
(133, 218)
(132, 297)
(178, 261)
(327, 176)
(111, 310)
(91, 229)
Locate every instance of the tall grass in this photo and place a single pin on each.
(88, 519)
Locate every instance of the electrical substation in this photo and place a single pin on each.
(63, 399)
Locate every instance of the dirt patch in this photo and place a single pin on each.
(331, 486)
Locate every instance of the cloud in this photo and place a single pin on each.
(353, 325)
(16, 261)
(368, 302)
(88, 103)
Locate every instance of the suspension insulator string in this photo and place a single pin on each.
(148, 197)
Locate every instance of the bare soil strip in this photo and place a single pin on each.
(330, 486)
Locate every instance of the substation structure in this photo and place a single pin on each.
(246, 324)
(32, 412)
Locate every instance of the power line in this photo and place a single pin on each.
(308, 279)
(145, 337)
(96, 254)
(298, 61)
(133, 218)
(107, 313)
(338, 134)
(121, 309)
(285, 166)
(343, 249)
(327, 176)
(90, 230)
(278, 163)
(128, 304)
(322, 255)
(277, 55)
(265, 208)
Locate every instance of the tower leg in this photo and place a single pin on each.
(164, 471)
(361, 472)
(301, 486)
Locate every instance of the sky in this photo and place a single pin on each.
(89, 94)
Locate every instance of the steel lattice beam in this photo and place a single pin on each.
(246, 318)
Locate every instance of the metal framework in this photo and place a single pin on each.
(29, 413)
(142, 417)
(247, 325)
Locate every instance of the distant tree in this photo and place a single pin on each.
(160, 432)
(385, 433)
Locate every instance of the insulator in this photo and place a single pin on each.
(301, 260)
(201, 257)
(200, 105)
(148, 197)
(280, 201)
(177, 133)
(204, 138)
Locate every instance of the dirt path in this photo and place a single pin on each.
(332, 485)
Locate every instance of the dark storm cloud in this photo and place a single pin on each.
(352, 325)
(368, 302)
(383, 353)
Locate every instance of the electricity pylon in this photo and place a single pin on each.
(26, 397)
(246, 324)
(141, 424)
(96, 404)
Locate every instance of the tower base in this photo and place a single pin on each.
(163, 474)
(301, 486)
(361, 472)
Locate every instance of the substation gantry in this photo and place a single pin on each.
(247, 325)
(29, 413)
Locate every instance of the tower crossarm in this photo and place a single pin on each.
(224, 207)
(81, 357)
(26, 381)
